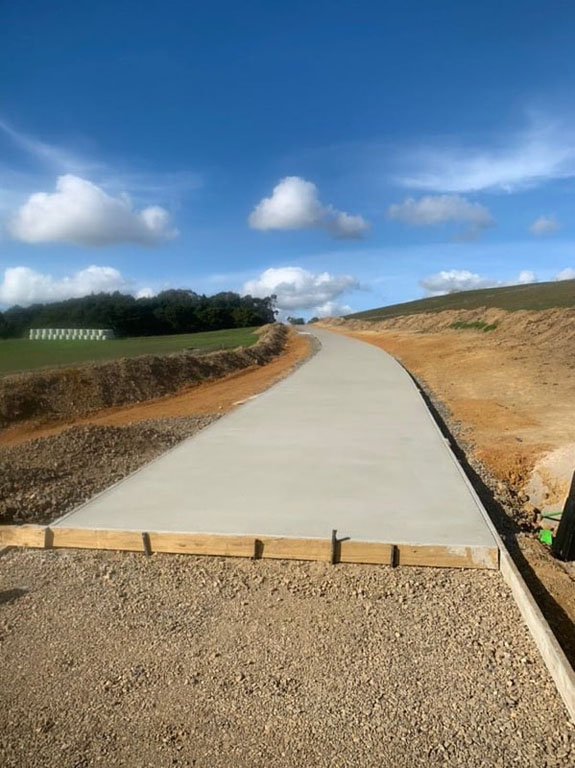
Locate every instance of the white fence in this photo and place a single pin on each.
(71, 334)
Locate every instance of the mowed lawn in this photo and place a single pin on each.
(18, 355)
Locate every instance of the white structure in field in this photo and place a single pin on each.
(71, 334)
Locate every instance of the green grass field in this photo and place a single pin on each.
(536, 296)
(17, 355)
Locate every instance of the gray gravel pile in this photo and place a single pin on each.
(122, 660)
(44, 478)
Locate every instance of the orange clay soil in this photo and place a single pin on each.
(214, 397)
(512, 401)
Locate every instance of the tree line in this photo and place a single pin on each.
(172, 311)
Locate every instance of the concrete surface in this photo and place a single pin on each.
(345, 442)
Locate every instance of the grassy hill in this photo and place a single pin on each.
(17, 355)
(535, 296)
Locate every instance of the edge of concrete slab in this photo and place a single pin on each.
(241, 404)
(554, 658)
(334, 549)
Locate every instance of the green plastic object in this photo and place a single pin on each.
(546, 537)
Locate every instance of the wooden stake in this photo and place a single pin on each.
(333, 558)
(146, 543)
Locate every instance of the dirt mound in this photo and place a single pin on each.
(42, 479)
(82, 390)
(551, 327)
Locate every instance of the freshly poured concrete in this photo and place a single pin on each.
(345, 442)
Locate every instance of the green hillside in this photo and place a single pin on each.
(535, 296)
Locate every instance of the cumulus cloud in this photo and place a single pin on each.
(295, 204)
(535, 156)
(298, 289)
(22, 285)
(81, 213)
(455, 280)
(433, 210)
(332, 309)
(544, 225)
(526, 277)
(565, 274)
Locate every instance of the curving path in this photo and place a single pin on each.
(345, 442)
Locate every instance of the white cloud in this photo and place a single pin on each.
(433, 210)
(565, 274)
(22, 285)
(295, 204)
(544, 225)
(455, 280)
(533, 157)
(82, 213)
(526, 277)
(332, 309)
(298, 289)
(145, 293)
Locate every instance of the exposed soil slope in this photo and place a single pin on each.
(81, 390)
(510, 390)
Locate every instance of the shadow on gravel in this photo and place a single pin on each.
(559, 621)
(11, 595)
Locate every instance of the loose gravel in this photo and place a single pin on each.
(121, 660)
(42, 479)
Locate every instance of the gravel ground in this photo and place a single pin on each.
(42, 479)
(122, 660)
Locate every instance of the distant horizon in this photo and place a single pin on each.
(283, 315)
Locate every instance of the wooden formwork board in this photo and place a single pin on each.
(283, 548)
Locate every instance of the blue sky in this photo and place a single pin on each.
(342, 154)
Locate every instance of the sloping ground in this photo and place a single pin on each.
(510, 390)
(535, 296)
(551, 328)
(78, 391)
(508, 397)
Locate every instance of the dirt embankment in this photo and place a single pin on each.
(510, 392)
(547, 328)
(84, 389)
